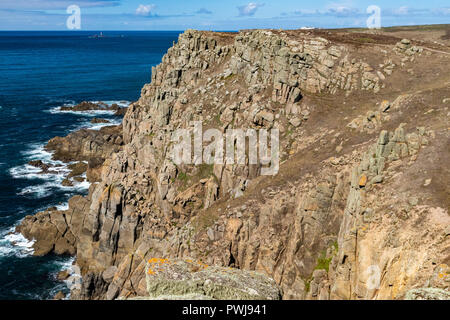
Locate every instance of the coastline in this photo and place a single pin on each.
(54, 173)
(314, 229)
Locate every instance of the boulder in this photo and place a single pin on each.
(59, 296)
(427, 294)
(98, 120)
(188, 279)
(63, 275)
(39, 164)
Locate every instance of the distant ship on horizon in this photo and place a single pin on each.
(101, 35)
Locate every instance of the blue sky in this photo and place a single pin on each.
(216, 15)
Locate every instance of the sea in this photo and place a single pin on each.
(39, 73)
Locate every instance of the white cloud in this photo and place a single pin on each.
(249, 9)
(341, 8)
(402, 10)
(203, 11)
(145, 9)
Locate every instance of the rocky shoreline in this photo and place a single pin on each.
(347, 205)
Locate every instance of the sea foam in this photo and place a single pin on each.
(12, 243)
(90, 113)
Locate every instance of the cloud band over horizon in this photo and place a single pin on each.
(214, 15)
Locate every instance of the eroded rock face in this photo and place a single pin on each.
(86, 144)
(55, 231)
(369, 244)
(313, 228)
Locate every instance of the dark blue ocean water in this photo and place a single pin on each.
(40, 71)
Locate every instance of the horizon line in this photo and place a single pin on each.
(218, 30)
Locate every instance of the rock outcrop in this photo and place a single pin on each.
(345, 217)
(86, 144)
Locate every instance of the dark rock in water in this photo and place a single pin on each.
(67, 183)
(91, 106)
(121, 112)
(85, 106)
(59, 296)
(39, 164)
(79, 179)
(98, 120)
(63, 275)
(77, 169)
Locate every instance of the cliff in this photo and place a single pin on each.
(358, 209)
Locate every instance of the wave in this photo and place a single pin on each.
(52, 179)
(46, 189)
(12, 243)
(98, 126)
(90, 113)
(74, 278)
(37, 151)
(62, 206)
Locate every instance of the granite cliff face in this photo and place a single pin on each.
(358, 210)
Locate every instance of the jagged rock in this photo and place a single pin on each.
(41, 165)
(67, 183)
(85, 106)
(85, 144)
(63, 275)
(109, 273)
(59, 296)
(98, 120)
(77, 169)
(121, 111)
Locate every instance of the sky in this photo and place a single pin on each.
(103, 15)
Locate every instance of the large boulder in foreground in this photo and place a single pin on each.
(187, 279)
(427, 294)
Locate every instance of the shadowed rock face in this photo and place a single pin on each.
(350, 201)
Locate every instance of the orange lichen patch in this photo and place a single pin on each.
(363, 181)
(203, 265)
(158, 260)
